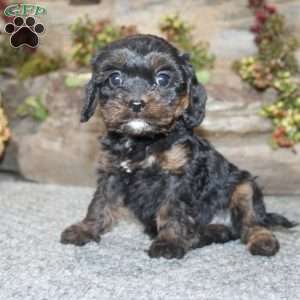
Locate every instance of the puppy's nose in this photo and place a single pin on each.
(136, 105)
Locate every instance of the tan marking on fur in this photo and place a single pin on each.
(242, 198)
(256, 233)
(182, 106)
(242, 195)
(123, 213)
(167, 229)
(113, 112)
(104, 159)
(174, 159)
(168, 234)
(162, 216)
(158, 111)
(171, 230)
(120, 212)
(103, 225)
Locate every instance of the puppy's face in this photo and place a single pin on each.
(142, 84)
(141, 93)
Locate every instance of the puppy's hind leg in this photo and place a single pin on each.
(247, 211)
(99, 218)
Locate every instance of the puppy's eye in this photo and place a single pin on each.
(115, 79)
(162, 79)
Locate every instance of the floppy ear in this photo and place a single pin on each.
(92, 88)
(90, 102)
(195, 112)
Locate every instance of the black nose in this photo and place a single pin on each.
(136, 105)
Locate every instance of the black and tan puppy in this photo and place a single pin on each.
(184, 192)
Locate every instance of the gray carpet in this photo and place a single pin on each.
(34, 265)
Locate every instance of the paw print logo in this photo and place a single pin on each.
(24, 32)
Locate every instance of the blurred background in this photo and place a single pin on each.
(246, 53)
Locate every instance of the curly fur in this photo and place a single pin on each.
(184, 192)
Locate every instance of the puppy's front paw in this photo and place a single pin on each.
(78, 234)
(166, 249)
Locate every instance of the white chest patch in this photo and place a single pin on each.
(138, 125)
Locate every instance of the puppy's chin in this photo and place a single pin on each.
(137, 127)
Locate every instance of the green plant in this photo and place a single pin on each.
(276, 53)
(180, 34)
(75, 80)
(277, 46)
(88, 36)
(4, 130)
(39, 63)
(27, 63)
(257, 73)
(11, 57)
(274, 66)
(33, 106)
(285, 111)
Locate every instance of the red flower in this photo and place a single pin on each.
(256, 28)
(279, 132)
(271, 9)
(261, 16)
(279, 136)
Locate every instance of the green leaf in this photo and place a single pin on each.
(74, 80)
(33, 107)
(203, 76)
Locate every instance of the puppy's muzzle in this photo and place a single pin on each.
(137, 105)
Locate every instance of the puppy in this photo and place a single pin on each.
(185, 193)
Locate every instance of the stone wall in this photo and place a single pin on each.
(61, 150)
(224, 23)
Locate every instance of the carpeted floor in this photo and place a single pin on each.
(34, 265)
